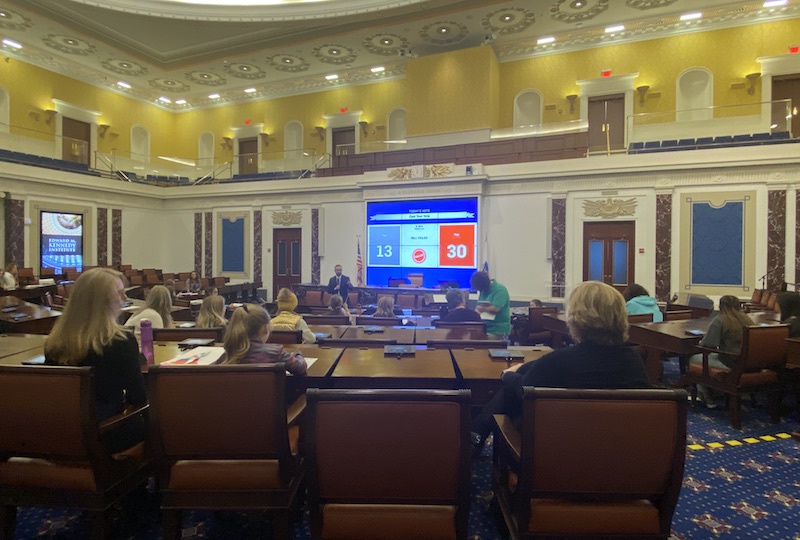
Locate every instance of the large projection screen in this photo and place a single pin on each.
(61, 240)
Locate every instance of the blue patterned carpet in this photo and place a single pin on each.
(737, 485)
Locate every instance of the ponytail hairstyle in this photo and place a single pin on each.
(246, 323)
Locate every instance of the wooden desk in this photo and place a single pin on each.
(480, 374)
(557, 325)
(793, 353)
(425, 334)
(335, 331)
(369, 368)
(37, 320)
(14, 348)
(403, 334)
(32, 293)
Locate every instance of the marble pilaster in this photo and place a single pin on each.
(663, 246)
(15, 231)
(258, 250)
(116, 237)
(558, 247)
(102, 236)
(208, 268)
(198, 241)
(315, 262)
(776, 240)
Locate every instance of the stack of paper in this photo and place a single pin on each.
(199, 356)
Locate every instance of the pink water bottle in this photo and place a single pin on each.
(147, 340)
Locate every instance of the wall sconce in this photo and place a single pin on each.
(101, 130)
(264, 138)
(227, 143)
(51, 114)
(752, 78)
(571, 98)
(320, 132)
(363, 127)
(642, 92)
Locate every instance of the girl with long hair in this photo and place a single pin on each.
(157, 309)
(212, 312)
(246, 341)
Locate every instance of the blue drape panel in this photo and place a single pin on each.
(717, 243)
(233, 245)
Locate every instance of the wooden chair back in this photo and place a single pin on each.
(763, 347)
(406, 301)
(332, 320)
(771, 301)
(678, 315)
(286, 337)
(25, 276)
(640, 318)
(756, 297)
(179, 334)
(47, 273)
(365, 320)
(467, 344)
(535, 315)
(51, 449)
(356, 343)
(239, 456)
(375, 455)
(629, 485)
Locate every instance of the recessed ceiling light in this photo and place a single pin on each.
(287, 60)
(245, 68)
(164, 99)
(542, 41)
(334, 52)
(180, 102)
(617, 28)
(213, 96)
(775, 3)
(11, 43)
(377, 69)
(577, 4)
(507, 17)
(123, 84)
(3, 14)
(386, 41)
(442, 29)
(691, 16)
(332, 77)
(249, 90)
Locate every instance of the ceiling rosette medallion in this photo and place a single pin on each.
(123, 67)
(12, 20)
(169, 85)
(444, 32)
(288, 62)
(206, 78)
(508, 21)
(69, 45)
(572, 11)
(244, 71)
(334, 54)
(609, 208)
(385, 44)
(648, 4)
(287, 218)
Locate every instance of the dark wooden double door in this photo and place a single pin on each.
(608, 252)
(286, 258)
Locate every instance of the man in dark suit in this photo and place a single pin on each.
(339, 284)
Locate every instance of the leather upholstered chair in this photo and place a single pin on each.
(762, 355)
(51, 450)
(286, 337)
(536, 332)
(388, 464)
(222, 439)
(591, 463)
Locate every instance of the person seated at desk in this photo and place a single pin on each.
(246, 341)
(639, 302)
(87, 334)
(287, 319)
(212, 312)
(336, 306)
(788, 304)
(193, 284)
(536, 303)
(385, 307)
(598, 324)
(10, 280)
(725, 334)
(157, 309)
(170, 285)
(211, 290)
(457, 310)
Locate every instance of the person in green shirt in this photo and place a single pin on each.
(494, 300)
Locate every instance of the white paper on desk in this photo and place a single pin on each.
(309, 363)
(199, 356)
(439, 299)
(486, 316)
(195, 302)
(131, 309)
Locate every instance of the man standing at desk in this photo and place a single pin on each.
(339, 284)
(494, 305)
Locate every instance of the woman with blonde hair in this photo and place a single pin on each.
(157, 309)
(385, 307)
(246, 341)
(9, 279)
(287, 319)
(212, 312)
(598, 324)
(87, 334)
(336, 306)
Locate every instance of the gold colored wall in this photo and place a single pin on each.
(453, 92)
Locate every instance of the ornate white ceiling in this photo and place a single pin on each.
(191, 49)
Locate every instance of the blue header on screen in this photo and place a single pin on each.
(469, 206)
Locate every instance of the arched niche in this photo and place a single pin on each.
(5, 115)
(293, 139)
(140, 144)
(694, 95)
(528, 108)
(205, 149)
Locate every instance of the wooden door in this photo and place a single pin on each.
(344, 141)
(286, 258)
(786, 87)
(75, 142)
(607, 123)
(608, 252)
(248, 156)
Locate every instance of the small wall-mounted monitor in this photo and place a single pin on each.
(61, 237)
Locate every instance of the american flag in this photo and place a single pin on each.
(359, 266)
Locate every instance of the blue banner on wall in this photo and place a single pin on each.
(233, 245)
(717, 243)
